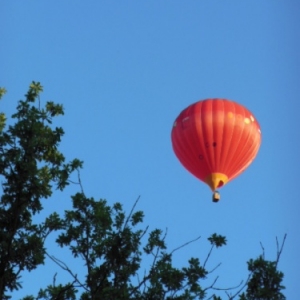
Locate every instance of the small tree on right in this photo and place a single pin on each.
(265, 281)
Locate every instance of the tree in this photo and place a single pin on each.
(111, 243)
(265, 280)
(30, 165)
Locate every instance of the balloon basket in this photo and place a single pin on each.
(216, 196)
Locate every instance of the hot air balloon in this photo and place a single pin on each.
(216, 140)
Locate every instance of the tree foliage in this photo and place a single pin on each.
(30, 165)
(111, 244)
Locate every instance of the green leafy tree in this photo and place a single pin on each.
(265, 280)
(30, 165)
(108, 242)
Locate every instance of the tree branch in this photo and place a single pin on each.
(185, 244)
(263, 250)
(79, 181)
(216, 267)
(279, 249)
(62, 265)
(208, 255)
(131, 212)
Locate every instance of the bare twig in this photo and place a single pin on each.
(244, 285)
(212, 285)
(73, 182)
(185, 244)
(228, 289)
(79, 181)
(62, 265)
(54, 279)
(279, 249)
(263, 250)
(208, 255)
(145, 285)
(131, 212)
(144, 232)
(216, 267)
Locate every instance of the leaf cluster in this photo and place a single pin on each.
(111, 246)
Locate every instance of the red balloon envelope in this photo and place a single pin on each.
(216, 140)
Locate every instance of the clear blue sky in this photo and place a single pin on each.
(123, 71)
